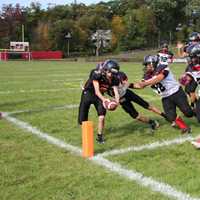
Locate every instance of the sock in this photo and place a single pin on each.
(180, 123)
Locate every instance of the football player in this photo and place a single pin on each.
(127, 97)
(161, 79)
(191, 78)
(165, 56)
(100, 80)
(194, 39)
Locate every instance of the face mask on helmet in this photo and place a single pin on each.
(194, 37)
(150, 61)
(164, 46)
(194, 52)
(111, 66)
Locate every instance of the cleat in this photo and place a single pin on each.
(154, 124)
(100, 139)
(173, 124)
(186, 130)
(196, 144)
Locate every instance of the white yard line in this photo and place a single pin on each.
(139, 178)
(37, 90)
(52, 140)
(70, 106)
(150, 146)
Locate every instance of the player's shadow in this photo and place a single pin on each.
(133, 127)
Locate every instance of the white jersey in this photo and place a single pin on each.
(167, 86)
(122, 89)
(164, 58)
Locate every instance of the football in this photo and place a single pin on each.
(110, 105)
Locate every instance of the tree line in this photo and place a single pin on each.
(133, 23)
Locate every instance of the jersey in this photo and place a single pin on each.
(165, 58)
(168, 85)
(196, 76)
(122, 88)
(104, 83)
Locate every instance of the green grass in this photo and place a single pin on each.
(33, 169)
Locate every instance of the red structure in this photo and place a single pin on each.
(4, 55)
(46, 55)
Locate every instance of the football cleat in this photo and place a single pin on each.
(100, 139)
(173, 124)
(186, 130)
(196, 144)
(153, 124)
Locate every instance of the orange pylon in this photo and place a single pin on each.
(87, 139)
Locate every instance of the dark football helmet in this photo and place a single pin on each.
(151, 60)
(111, 65)
(164, 45)
(194, 36)
(194, 50)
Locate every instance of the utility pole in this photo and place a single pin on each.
(22, 32)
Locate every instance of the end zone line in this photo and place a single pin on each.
(132, 175)
(150, 146)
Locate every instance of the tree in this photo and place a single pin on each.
(118, 30)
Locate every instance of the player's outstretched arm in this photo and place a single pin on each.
(116, 93)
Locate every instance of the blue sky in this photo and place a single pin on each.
(44, 3)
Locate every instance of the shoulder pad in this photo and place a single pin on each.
(160, 67)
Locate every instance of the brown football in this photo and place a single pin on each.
(111, 105)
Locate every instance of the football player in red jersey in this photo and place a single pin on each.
(161, 79)
(100, 81)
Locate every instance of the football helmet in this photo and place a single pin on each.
(194, 50)
(151, 60)
(111, 66)
(164, 45)
(194, 36)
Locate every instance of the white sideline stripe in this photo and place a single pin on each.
(45, 136)
(139, 178)
(148, 146)
(148, 182)
(52, 108)
(37, 90)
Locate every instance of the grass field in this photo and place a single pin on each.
(40, 98)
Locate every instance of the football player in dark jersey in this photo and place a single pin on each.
(127, 97)
(191, 78)
(193, 52)
(100, 81)
(160, 78)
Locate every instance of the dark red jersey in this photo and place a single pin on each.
(104, 83)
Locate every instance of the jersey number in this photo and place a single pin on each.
(159, 88)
